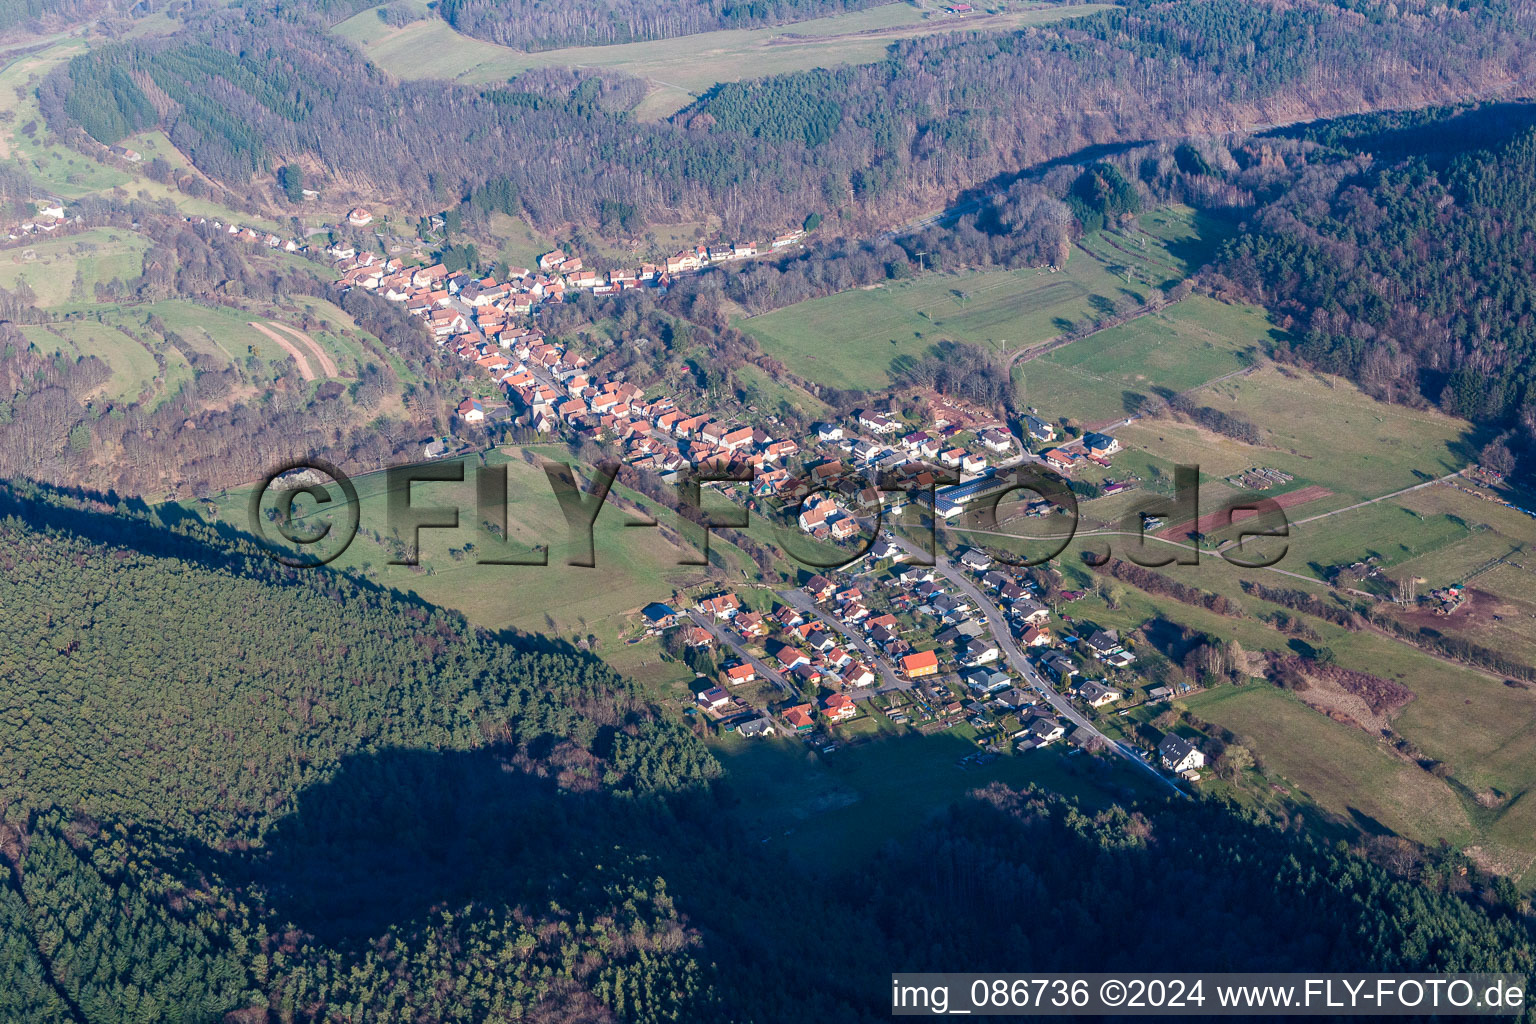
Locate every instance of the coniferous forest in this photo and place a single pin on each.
(235, 792)
(1403, 255)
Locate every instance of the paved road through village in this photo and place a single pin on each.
(1001, 632)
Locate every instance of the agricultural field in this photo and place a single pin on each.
(683, 69)
(1321, 430)
(228, 332)
(1481, 731)
(67, 269)
(1345, 771)
(1189, 237)
(23, 136)
(1105, 376)
(1494, 557)
(136, 371)
(57, 169)
(770, 395)
(854, 339)
(634, 566)
(145, 365)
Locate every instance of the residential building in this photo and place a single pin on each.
(739, 674)
(1096, 694)
(923, 663)
(800, 718)
(977, 560)
(1100, 445)
(712, 698)
(722, 606)
(1179, 755)
(839, 707)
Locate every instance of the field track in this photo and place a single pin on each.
(327, 364)
(305, 370)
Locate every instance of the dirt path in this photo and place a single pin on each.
(298, 357)
(1372, 501)
(327, 364)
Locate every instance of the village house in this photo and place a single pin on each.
(1104, 642)
(844, 527)
(1039, 430)
(800, 718)
(979, 652)
(755, 727)
(712, 698)
(1097, 695)
(998, 441)
(722, 606)
(1042, 731)
(859, 673)
(986, 681)
(1179, 755)
(659, 616)
(877, 422)
(923, 663)
(1034, 637)
(839, 707)
(1057, 458)
(789, 658)
(1028, 610)
(1059, 665)
(976, 560)
(1100, 445)
(816, 515)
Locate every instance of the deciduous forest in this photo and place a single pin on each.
(241, 92)
(529, 25)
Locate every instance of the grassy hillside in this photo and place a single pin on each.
(680, 70)
(1107, 375)
(853, 338)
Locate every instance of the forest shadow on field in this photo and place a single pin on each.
(393, 835)
(978, 197)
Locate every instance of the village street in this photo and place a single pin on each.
(801, 601)
(1001, 632)
(728, 638)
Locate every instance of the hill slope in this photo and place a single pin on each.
(230, 788)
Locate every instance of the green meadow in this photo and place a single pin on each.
(679, 70)
(1106, 375)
